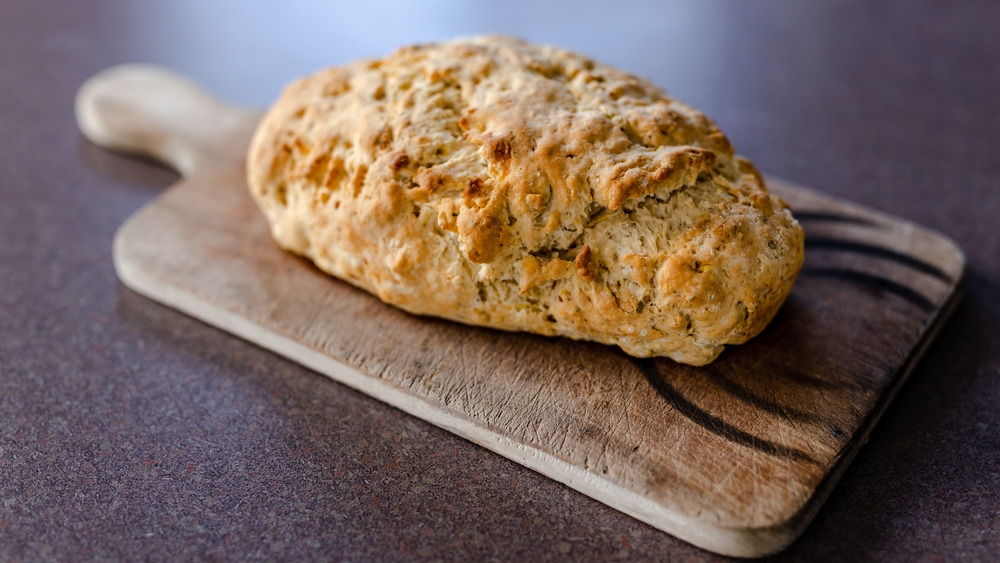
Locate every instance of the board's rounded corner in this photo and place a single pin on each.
(755, 542)
(961, 259)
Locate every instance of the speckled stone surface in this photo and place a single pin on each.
(129, 431)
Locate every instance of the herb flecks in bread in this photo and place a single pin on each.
(522, 187)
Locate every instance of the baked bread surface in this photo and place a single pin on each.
(523, 187)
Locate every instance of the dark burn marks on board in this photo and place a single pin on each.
(874, 282)
(870, 280)
(756, 401)
(823, 243)
(713, 424)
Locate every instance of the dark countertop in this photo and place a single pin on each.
(130, 431)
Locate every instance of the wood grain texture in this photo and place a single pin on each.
(735, 457)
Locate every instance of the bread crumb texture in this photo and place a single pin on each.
(522, 187)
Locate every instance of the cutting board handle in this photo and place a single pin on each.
(148, 110)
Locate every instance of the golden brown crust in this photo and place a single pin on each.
(522, 187)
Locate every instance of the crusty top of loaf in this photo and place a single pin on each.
(537, 188)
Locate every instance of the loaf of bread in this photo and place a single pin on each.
(522, 187)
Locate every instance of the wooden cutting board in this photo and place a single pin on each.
(735, 457)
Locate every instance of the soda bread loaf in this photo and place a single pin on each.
(522, 187)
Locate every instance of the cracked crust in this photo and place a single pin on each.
(522, 187)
